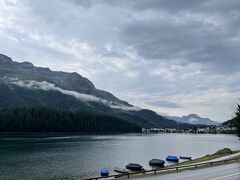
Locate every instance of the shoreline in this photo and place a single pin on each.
(193, 166)
(102, 133)
(207, 161)
(208, 157)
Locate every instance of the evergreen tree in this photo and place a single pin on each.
(238, 120)
(44, 119)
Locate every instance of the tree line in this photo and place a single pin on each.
(44, 119)
(238, 120)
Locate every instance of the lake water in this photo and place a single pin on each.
(80, 156)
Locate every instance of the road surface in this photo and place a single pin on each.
(223, 172)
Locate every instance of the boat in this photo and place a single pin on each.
(157, 162)
(185, 157)
(104, 172)
(172, 158)
(134, 167)
(120, 170)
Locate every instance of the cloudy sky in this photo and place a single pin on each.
(171, 56)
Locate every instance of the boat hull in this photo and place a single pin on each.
(172, 159)
(157, 162)
(119, 170)
(134, 167)
(104, 172)
(184, 157)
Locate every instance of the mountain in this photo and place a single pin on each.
(231, 122)
(24, 85)
(193, 119)
(69, 81)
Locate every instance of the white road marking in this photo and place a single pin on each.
(222, 177)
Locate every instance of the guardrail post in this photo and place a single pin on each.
(195, 166)
(225, 161)
(177, 168)
(128, 175)
(211, 163)
(155, 171)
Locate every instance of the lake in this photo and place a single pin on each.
(52, 157)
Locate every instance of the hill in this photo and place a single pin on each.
(231, 122)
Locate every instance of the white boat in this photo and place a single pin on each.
(120, 170)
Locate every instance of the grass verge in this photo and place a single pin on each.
(205, 158)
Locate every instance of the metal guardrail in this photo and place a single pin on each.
(175, 168)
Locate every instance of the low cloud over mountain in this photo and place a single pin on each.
(35, 85)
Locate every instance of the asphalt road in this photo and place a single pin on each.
(224, 172)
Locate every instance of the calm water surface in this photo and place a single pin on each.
(78, 157)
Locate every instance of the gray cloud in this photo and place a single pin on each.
(176, 6)
(165, 104)
(206, 38)
(46, 86)
(83, 3)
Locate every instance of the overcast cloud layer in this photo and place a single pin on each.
(172, 56)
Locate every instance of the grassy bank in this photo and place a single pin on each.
(206, 158)
(175, 168)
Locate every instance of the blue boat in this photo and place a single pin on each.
(172, 158)
(104, 172)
